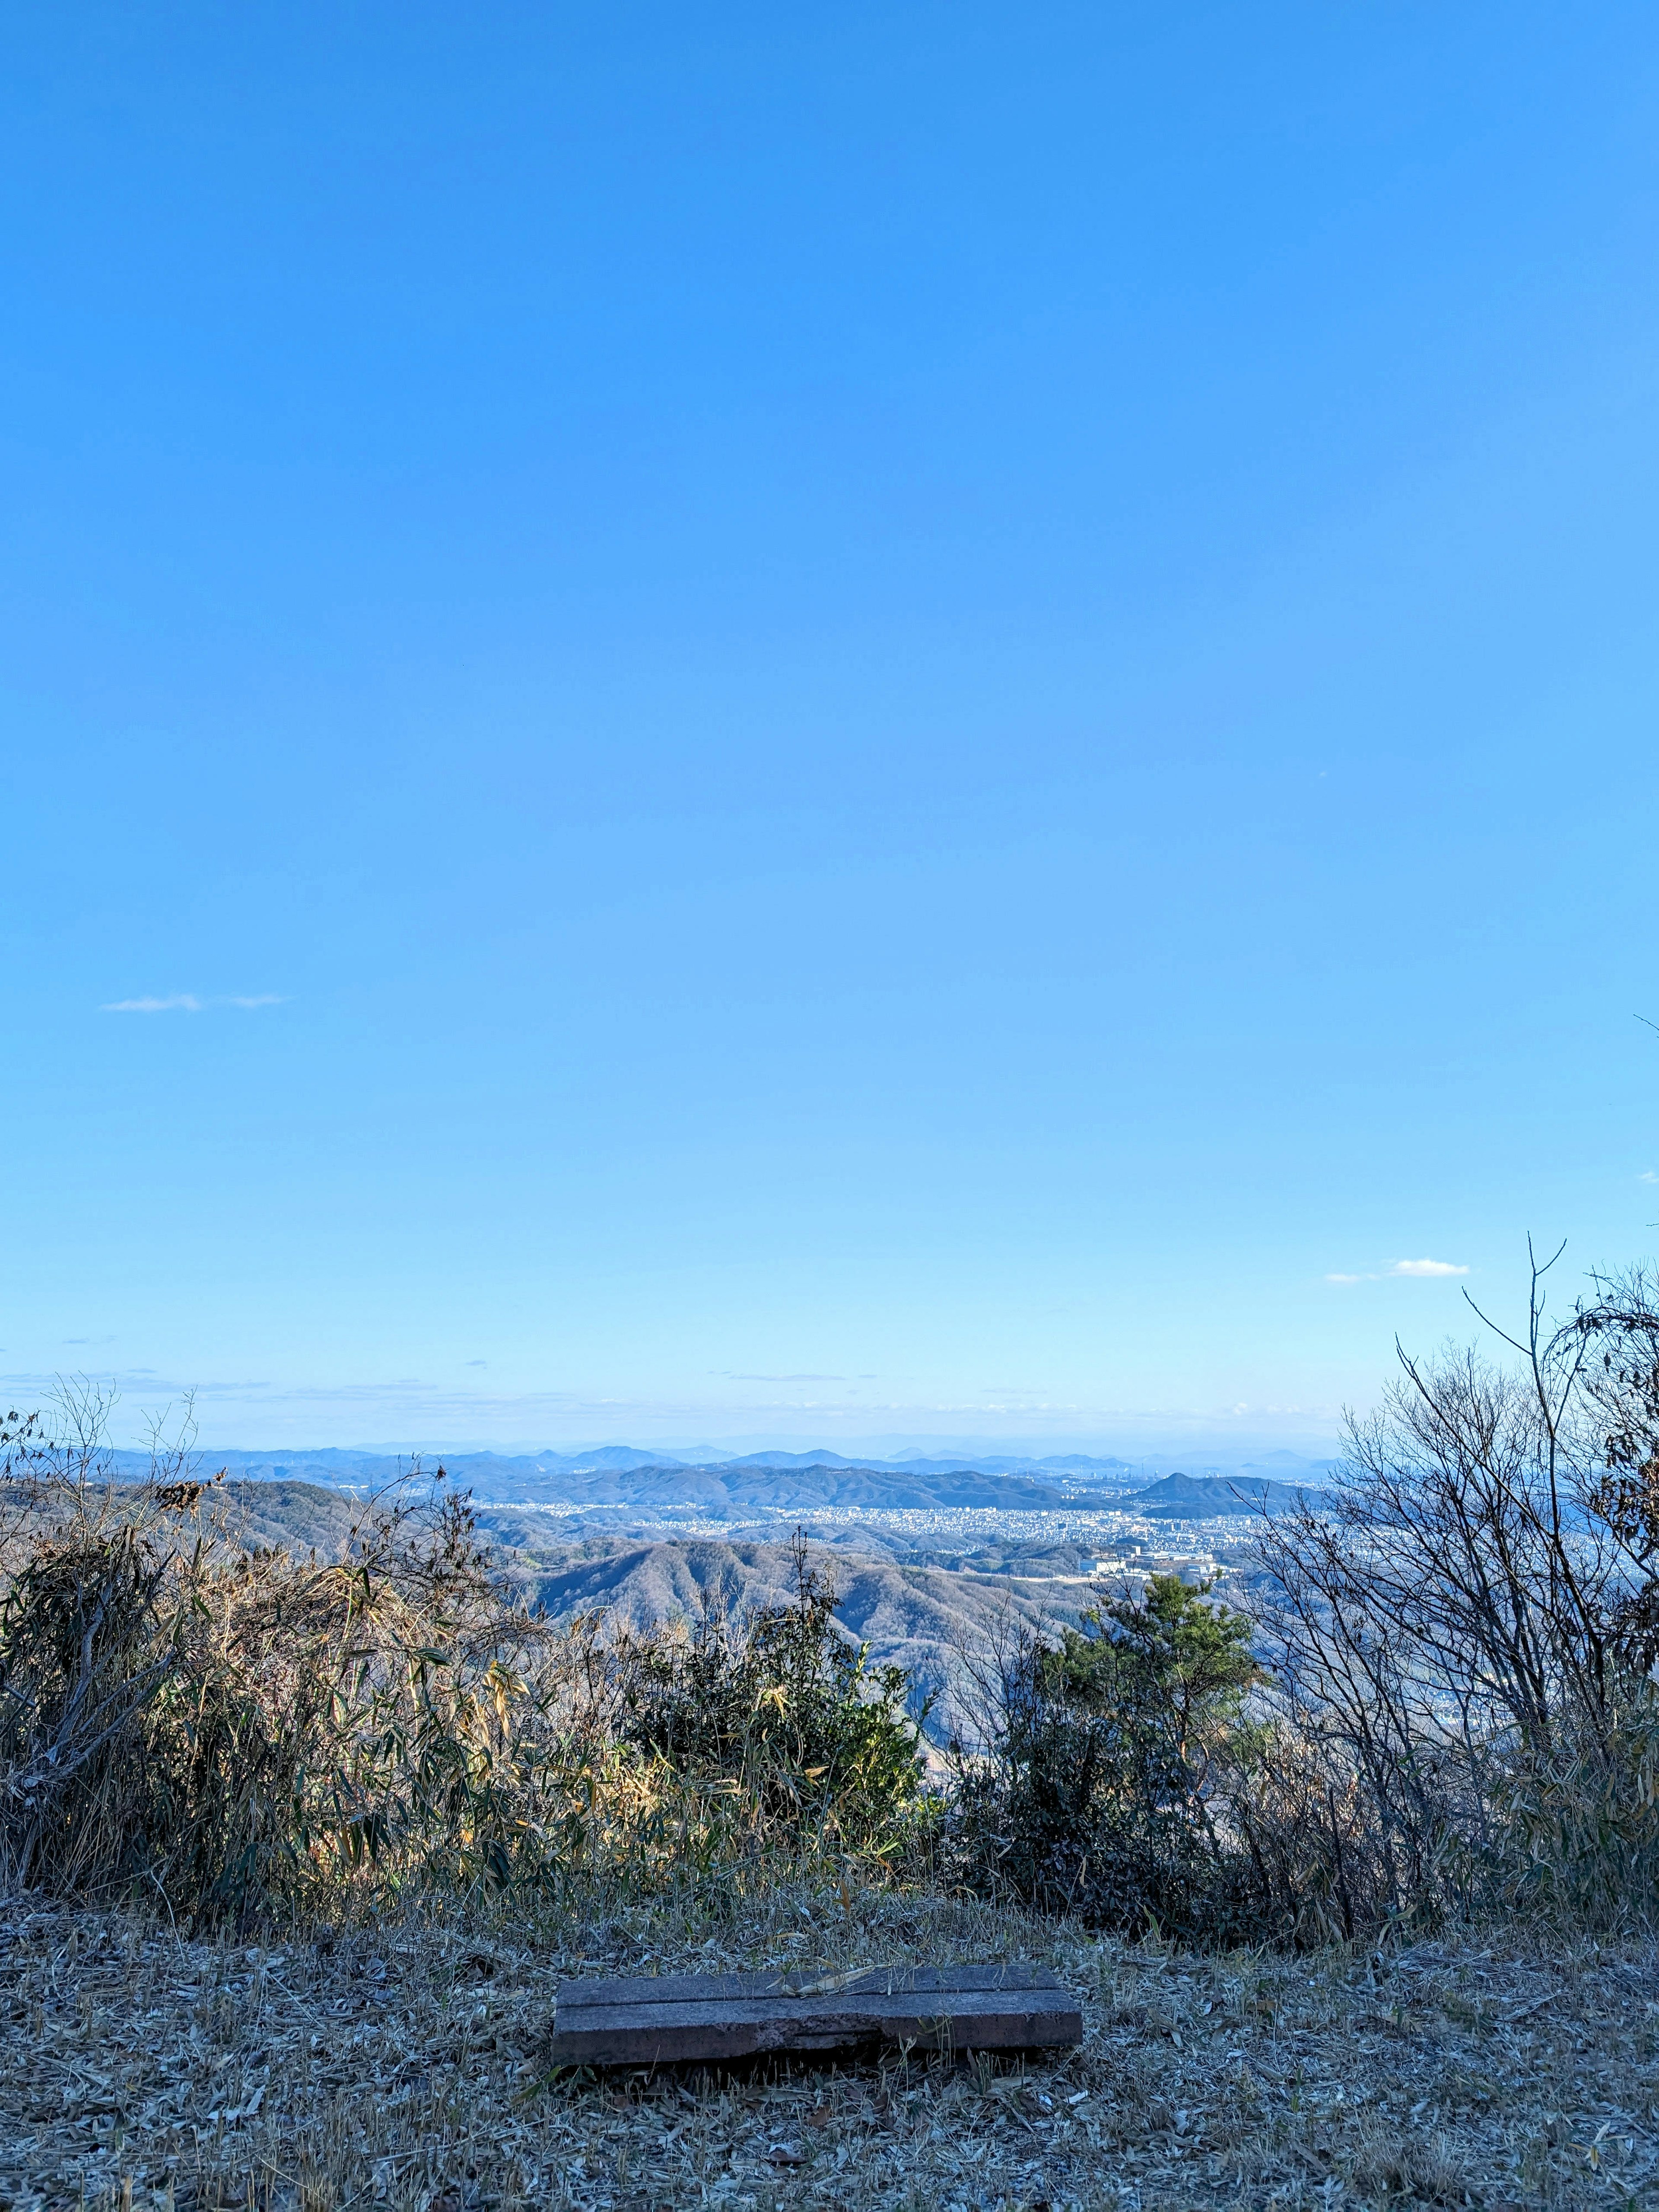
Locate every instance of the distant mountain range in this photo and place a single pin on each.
(651, 1489)
(649, 1485)
(347, 1461)
(1062, 1465)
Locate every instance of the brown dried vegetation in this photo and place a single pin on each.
(242, 1735)
(403, 2066)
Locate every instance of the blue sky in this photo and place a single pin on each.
(819, 724)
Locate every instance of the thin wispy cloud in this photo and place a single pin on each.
(1419, 1270)
(186, 1002)
(1647, 1176)
(725, 1377)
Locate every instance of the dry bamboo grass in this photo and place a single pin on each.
(403, 2066)
(246, 1735)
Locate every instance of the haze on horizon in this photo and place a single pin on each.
(914, 728)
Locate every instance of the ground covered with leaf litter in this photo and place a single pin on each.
(406, 2067)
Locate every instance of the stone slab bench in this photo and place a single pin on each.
(653, 2020)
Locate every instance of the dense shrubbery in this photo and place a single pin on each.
(240, 1732)
(230, 1730)
(1098, 1795)
(1442, 1700)
(788, 1713)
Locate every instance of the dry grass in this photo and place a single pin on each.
(403, 2066)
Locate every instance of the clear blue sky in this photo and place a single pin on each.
(820, 724)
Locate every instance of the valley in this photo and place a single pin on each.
(935, 1565)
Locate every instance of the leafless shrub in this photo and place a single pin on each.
(1454, 1706)
(1459, 1633)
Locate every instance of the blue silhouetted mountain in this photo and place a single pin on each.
(645, 1484)
(797, 1458)
(1203, 1496)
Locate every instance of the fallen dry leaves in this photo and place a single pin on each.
(403, 2066)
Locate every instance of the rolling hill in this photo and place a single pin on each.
(1203, 1496)
(917, 1616)
(921, 1619)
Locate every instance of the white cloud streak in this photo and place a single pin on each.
(1417, 1270)
(726, 1375)
(186, 1002)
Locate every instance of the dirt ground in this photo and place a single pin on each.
(404, 2066)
